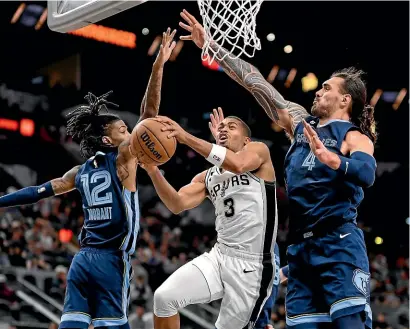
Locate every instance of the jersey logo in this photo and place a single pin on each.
(309, 161)
(342, 236)
(361, 280)
(246, 271)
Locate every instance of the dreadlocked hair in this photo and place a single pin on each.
(86, 125)
(362, 114)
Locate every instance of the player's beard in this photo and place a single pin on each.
(319, 111)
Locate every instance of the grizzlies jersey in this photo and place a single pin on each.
(111, 212)
(319, 197)
(245, 209)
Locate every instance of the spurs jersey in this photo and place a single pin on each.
(245, 209)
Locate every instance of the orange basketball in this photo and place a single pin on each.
(151, 145)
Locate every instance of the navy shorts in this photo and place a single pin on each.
(97, 289)
(328, 278)
(265, 315)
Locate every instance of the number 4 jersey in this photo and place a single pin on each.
(111, 212)
(245, 209)
(319, 197)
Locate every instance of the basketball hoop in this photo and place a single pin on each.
(231, 24)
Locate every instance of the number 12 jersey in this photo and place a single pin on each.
(111, 212)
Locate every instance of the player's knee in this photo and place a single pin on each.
(166, 301)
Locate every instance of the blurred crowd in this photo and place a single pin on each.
(43, 237)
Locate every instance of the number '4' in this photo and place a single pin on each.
(309, 161)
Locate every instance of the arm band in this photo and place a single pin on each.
(27, 195)
(285, 271)
(217, 155)
(360, 168)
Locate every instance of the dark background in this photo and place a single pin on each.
(325, 36)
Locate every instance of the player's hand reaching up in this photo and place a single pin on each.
(167, 46)
(216, 118)
(194, 27)
(318, 148)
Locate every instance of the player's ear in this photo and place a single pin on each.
(247, 140)
(346, 99)
(107, 140)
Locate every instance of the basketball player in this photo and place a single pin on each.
(240, 267)
(280, 273)
(100, 274)
(328, 164)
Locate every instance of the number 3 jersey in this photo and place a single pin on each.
(319, 197)
(111, 212)
(245, 209)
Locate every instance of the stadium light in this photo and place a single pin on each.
(18, 13)
(288, 49)
(376, 97)
(399, 99)
(291, 77)
(107, 35)
(176, 50)
(309, 82)
(270, 37)
(154, 46)
(273, 73)
(378, 240)
(27, 127)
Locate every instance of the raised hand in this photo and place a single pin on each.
(194, 27)
(216, 118)
(167, 46)
(318, 148)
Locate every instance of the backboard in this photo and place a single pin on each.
(68, 15)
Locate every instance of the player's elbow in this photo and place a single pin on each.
(177, 205)
(150, 111)
(176, 208)
(368, 175)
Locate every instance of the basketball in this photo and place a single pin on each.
(151, 145)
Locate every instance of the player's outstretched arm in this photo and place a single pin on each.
(152, 98)
(187, 197)
(359, 167)
(285, 113)
(250, 158)
(33, 194)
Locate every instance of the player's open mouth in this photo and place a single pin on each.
(223, 138)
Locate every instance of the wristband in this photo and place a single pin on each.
(217, 155)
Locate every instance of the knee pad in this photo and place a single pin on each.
(166, 302)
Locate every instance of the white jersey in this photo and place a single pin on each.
(245, 209)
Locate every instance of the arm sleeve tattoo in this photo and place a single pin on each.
(275, 106)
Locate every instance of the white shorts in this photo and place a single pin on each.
(243, 281)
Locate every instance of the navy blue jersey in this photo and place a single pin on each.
(111, 212)
(319, 196)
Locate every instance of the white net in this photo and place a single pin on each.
(232, 25)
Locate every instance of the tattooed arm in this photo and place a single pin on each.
(152, 98)
(66, 183)
(284, 113)
(33, 194)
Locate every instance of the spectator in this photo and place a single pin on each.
(380, 322)
(140, 291)
(141, 319)
(59, 283)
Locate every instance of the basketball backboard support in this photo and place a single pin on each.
(69, 15)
